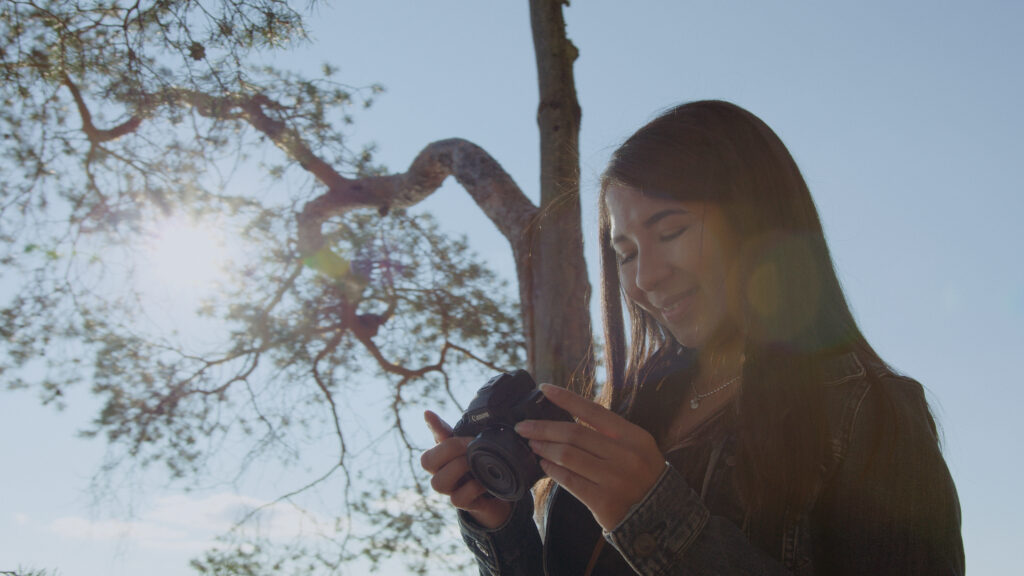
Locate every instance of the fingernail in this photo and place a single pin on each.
(524, 427)
(548, 388)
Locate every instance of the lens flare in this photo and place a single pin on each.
(183, 257)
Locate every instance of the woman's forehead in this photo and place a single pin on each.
(627, 205)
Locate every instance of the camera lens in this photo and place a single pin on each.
(503, 463)
(495, 474)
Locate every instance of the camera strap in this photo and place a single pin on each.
(594, 556)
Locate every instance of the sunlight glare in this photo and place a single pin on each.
(185, 255)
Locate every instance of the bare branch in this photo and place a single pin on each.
(480, 174)
(290, 141)
(97, 136)
(474, 356)
(327, 393)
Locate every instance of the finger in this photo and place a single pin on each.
(570, 433)
(451, 476)
(583, 489)
(575, 460)
(465, 496)
(449, 449)
(438, 427)
(602, 419)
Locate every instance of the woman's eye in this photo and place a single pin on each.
(672, 235)
(625, 258)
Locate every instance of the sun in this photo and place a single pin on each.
(185, 257)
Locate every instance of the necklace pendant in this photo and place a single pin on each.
(694, 403)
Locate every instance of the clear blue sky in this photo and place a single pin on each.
(904, 117)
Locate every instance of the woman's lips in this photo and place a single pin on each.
(679, 306)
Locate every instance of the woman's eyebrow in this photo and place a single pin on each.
(662, 214)
(654, 219)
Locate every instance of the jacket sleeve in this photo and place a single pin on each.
(889, 508)
(512, 549)
(670, 531)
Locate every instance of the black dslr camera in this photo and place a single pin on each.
(498, 457)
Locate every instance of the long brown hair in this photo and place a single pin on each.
(786, 294)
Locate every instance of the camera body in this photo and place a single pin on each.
(499, 458)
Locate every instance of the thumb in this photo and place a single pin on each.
(438, 427)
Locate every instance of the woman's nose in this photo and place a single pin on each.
(651, 269)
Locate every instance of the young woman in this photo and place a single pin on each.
(750, 428)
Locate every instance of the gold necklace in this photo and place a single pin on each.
(697, 397)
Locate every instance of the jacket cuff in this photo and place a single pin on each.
(485, 543)
(658, 529)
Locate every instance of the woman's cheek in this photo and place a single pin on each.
(633, 293)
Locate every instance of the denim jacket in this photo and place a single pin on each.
(900, 519)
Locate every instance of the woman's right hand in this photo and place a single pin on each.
(449, 469)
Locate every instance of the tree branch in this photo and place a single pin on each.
(289, 140)
(330, 347)
(97, 136)
(466, 352)
(480, 174)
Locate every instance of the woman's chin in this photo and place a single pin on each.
(688, 338)
(692, 336)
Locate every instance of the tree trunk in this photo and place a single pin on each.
(547, 241)
(556, 299)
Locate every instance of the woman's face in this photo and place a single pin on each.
(674, 259)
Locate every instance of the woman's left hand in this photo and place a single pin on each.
(608, 468)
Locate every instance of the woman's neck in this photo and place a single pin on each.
(719, 368)
(718, 363)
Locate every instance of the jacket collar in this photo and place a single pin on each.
(843, 368)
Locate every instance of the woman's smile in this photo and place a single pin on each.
(673, 258)
(678, 307)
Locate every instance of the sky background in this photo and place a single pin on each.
(905, 119)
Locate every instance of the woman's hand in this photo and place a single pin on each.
(449, 467)
(608, 468)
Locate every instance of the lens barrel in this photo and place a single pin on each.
(503, 463)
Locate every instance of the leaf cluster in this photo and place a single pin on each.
(115, 115)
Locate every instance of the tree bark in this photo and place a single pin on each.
(559, 294)
(490, 186)
(547, 242)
